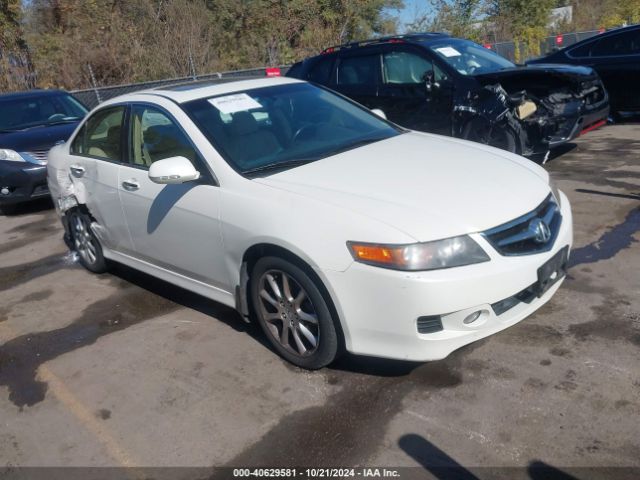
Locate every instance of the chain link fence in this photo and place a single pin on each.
(507, 49)
(91, 97)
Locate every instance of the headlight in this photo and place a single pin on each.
(450, 252)
(555, 190)
(10, 155)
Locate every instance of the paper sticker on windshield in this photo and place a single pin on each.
(448, 51)
(239, 102)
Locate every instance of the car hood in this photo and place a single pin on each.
(37, 138)
(424, 185)
(572, 73)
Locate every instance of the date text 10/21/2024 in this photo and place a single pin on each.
(315, 473)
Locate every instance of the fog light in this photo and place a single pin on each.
(472, 318)
(5, 191)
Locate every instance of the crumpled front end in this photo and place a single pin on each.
(542, 108)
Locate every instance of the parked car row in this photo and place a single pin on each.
(429, 82)
(333, 227)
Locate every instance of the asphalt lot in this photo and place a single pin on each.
(124, 370)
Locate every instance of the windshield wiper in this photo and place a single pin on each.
(271, 167)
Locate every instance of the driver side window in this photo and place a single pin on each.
(405, 68)
(155, 136)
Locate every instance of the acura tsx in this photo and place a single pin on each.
(332, 227)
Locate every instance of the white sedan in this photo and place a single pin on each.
(333, 228)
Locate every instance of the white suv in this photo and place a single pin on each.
(332, 227)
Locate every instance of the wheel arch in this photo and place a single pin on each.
(260, 250)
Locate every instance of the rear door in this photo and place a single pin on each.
(96, 153)
(358, 76)
(172, 226)
(415, 92)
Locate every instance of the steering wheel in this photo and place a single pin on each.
(56, 116)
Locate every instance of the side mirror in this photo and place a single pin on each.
(173, 170)
(379, 113)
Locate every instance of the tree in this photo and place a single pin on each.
(16, 70)
(526, 20)
(135, 40)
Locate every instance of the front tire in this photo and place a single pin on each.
(85, 243)
(293, 313)
(8, 210)
(498, 136)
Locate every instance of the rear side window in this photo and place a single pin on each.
(101, 135)
(582, 51)
(155, 136)
(362, 70)
(321, 71)
(627, 43)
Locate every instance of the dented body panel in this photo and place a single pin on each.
(567, 100)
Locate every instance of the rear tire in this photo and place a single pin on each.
(85, 242)
(293, 313)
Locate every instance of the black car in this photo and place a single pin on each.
(435, 83)
(30, 124)
(615, 55)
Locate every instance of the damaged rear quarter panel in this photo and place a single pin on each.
(65, 193)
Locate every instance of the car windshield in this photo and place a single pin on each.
(27, 112)
(469, 58)
(275, 128)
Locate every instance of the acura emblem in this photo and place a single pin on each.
(540, 230)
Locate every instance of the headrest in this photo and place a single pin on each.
(243, 123)
(113, 134)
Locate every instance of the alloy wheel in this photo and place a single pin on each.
(288, 313)
(83, 240)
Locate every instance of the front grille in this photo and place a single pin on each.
(39, 155)
(532, 233)
(524, 296)
(430, 324)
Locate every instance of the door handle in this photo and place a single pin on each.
(130, 185)
(76, 170)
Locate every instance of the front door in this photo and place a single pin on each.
(415, 93)
(175, 227)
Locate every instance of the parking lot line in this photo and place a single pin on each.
(88, 420)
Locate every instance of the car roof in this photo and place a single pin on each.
(608, 33)
(422, 38)
(31, 94)
(186, 92)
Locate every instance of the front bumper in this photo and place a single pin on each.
(379, 308)
(571, 127)
(22, 182)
